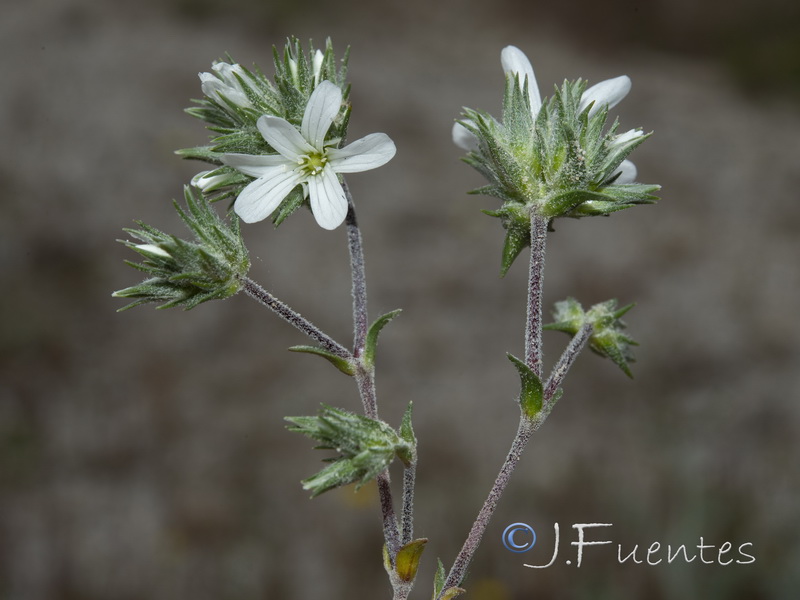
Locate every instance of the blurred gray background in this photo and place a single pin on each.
(143, 455)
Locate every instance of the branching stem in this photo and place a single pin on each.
(365, 377)
(255, 291)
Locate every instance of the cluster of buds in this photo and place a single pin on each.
(552, 158)
(365, 446)
(188, 273)
(608, 338)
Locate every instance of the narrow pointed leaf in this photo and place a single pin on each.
(530, 396)
(372, 335)
(344, 365)
(439, 579)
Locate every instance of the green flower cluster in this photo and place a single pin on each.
(365, 446)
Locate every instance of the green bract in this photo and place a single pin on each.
(365, 447)
(187, 273)
(607, 338)
(236, 98)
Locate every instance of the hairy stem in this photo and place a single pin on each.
(459, 569)
(571, 352)
(533, 329)
(366, 388)
(255, 291)
(533, 358)
(407, 518)
(360, 321)
(365, 378)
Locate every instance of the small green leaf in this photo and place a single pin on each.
(438, 580)
(372, 336)
(407, 560)
(530, 397)
(344, 365)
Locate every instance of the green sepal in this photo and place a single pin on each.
(344, 365)
(204, 153)
(452, 592)
(516, 241)
(407, 559)
(532, 392)
(289, 205)
(408, 455)
(372, 336)
(563, 203)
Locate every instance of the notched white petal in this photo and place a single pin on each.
(606, 93)
(256, 165)
(327, 198)
(515, 62)
(464, 138)
(257, 201)
(369, 152)
(321, 110)
(284, 137)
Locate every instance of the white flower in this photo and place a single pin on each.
(225, 83)
(304, 158)
(606, 93)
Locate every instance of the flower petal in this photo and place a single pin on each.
(464, 138)
(609, 92)
(328, 201)
(256, 165)
(321, 110)
(627, 171)
(370, 152)
(257, 201)
(319, 59)
(624, 138)
(284, 137)
(515, 62)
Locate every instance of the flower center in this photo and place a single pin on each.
(313, 163)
